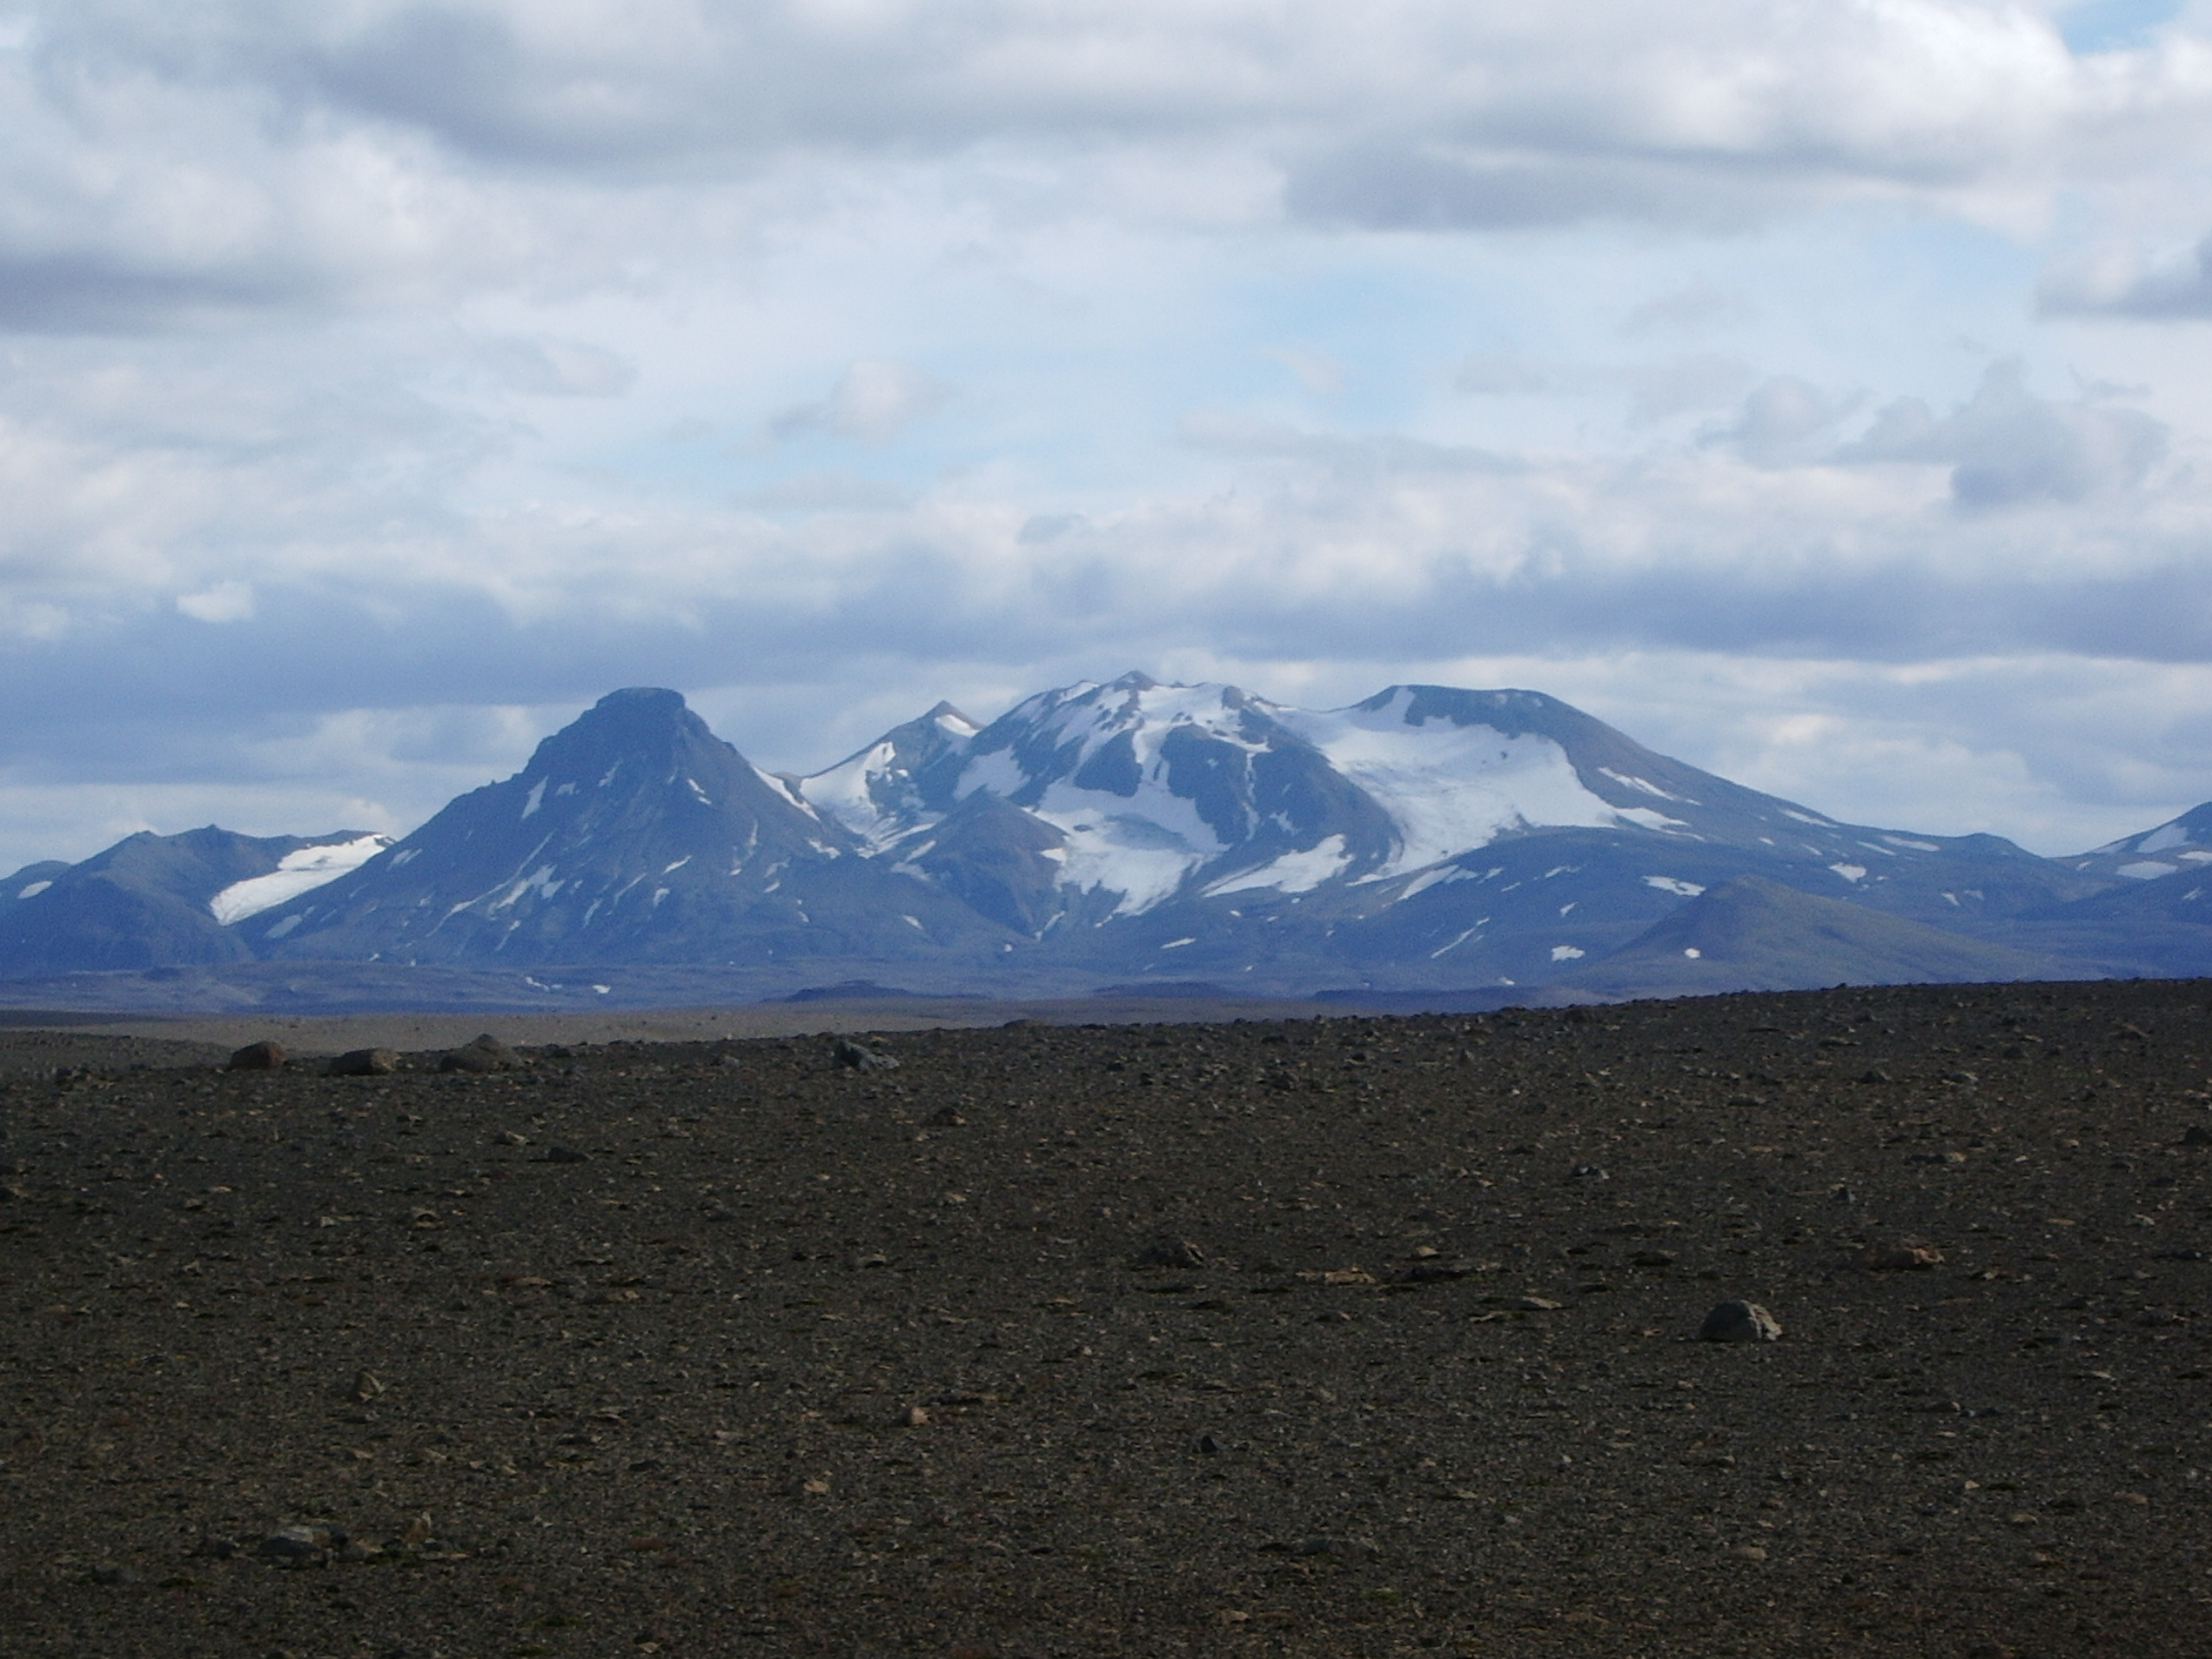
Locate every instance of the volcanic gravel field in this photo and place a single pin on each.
(1342, 1337)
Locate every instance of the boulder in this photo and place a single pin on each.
(1735, 1321)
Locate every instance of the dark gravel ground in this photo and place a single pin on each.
(730, 1349)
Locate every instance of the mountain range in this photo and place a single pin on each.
(1428, 843)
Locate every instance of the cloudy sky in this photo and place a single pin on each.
(1818, 389)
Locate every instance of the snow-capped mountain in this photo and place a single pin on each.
(633, 835)
(1140, 795)
(1426, 839)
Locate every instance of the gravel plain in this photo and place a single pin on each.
(1344, 1336)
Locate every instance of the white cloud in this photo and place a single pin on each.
(227, 601)
(1312, 341)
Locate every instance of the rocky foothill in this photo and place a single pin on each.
(1850, 1323)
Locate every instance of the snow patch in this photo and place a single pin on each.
(34, 889)
(1692, 952)
(1627, 780)
(1673, 885)
(2149, 870)
(536, 798)
(1297, 872)
(1850, 871)
(1644, 818)
(1566, 953)
(2164, 839)
(1449, 789)
(284, 927)
(1437, 878)
(1177, 944)
(1807, 817)
(295, 872)
(1917, 846)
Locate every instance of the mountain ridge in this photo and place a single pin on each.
(1426, 839)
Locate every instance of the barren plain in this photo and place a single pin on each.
(1344, 1336)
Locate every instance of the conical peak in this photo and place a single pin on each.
(635, 701)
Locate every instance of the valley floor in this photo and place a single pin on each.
(1329, 1337)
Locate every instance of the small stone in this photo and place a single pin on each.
(1900, 1258)
(1735, 1321)
(364, 1063)
(258, 1057)
(914, 1417)
(481, 1054)
(858, 1056)
(1168, 1251)
(418, 1533)
(566, 1155)
(1588, 1173)
(1873, 1074)
(945, 1118)
(511, 1138)
(1206, 1446)
(2196, 1136)
(108, 1572)
(1535, 1305)
(1652, 1259)
(1748, 1553)
(367, 1385)
(296, 1546)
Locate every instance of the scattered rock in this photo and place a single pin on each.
(565, 1155)
(108, 1572)
(512, 1138)
(1735, 1321)
(914, 1417)
(1588, 1173)
(1900, 1258)
(1167, 1251)
(1206, 1446)
(859, 1056)
(1873, 1074)
(258, 1057)
(2196, 1136)
(481, 1054)
(1749, 1552)
(364, 1063)
(1536, 1305)
(1652, 1259)
(367, 1385)
(296, 1546)
(945, 1118)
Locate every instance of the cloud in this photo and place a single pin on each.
(2007, 447)
(227, 601)
(2166, 291)
(874, 401)
(557, 368)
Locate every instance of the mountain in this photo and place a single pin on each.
(634, 835)
(1426, 840)
(155, 900)
(1426, 837)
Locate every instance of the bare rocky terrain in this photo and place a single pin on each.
(1341, 1336)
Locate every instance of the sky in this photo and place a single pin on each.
(1819, 391)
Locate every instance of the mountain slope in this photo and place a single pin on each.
(1752, 934)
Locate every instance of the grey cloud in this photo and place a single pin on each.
(1656, 391)
(544, 367)
(2180, 290)
(2007, 447)
(1784, 421)
(874, 401)
(1697, 311)
(827, 493)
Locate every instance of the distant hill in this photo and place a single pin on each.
(1752, 934)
